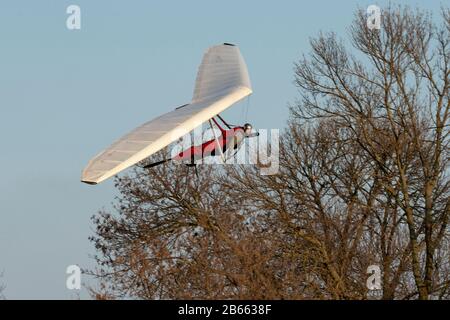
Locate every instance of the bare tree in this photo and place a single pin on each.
(363, 180)
(179, 237)
(395, 106)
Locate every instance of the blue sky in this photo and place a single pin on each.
(65, 95)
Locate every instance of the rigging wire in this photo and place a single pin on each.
(246, 108)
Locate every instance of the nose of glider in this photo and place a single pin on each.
(248, 131)
(252, 135)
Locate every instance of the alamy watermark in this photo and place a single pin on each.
(373, 17)
(261, 150)
(73, 21)
(373, 282)
(73, 281)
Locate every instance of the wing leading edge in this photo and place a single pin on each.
(222, 80)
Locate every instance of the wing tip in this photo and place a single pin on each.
(229, 44)
(89, 182)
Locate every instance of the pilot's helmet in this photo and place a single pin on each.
(248, 128)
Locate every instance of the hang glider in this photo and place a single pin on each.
(222, 80)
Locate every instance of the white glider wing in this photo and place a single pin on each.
(222, 80)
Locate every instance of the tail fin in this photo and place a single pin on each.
(222, 68)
